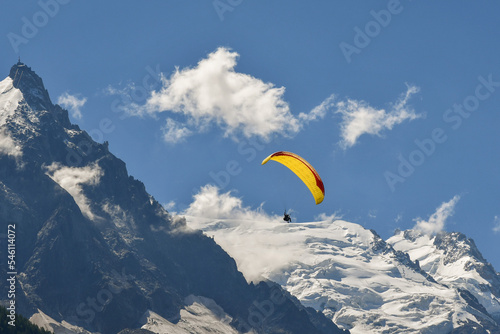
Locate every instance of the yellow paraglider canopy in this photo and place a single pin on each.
(303, 170)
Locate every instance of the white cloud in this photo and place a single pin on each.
(496, 222)
(209, 203)
(214, 93)
(73, 103)
(359, 118)
(328, 218)
(175, 132)
(438, 219)
(169, 206)
(259, 242)
(8, 145)
(72, 178)
(318, 111)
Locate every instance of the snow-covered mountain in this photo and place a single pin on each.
(95, 252)
(453, 260)
(358, 280)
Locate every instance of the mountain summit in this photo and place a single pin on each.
(454, 260)
(31, 85)
(96, 252)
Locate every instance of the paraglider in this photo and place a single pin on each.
(286, 217)
(303, 170)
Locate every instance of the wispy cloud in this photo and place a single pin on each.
(175, 132)
(71, 179)
(319, 111)
(437, 220)
(496, 224)
(73, 103)
(358, 117)
(328, 218)
(8, 145)
(169, 206)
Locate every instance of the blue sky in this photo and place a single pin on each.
(391, 74)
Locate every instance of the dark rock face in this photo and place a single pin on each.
(95, 249)
(456, 245)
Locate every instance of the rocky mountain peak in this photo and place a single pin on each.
(31, 85)
(456, 245)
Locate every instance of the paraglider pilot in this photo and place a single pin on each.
(287, 218)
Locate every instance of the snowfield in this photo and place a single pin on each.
(343, 270)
